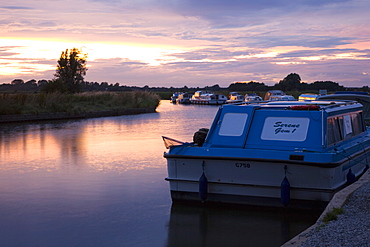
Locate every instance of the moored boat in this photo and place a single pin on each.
(308, 97)
(252, 97)
(295, 154)
(184, 98)
(207, 98)
(235, 97)
(278, 95)
(174, 96)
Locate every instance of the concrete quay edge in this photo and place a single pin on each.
(337, 201)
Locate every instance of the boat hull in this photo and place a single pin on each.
(207, 102)
(259, 182)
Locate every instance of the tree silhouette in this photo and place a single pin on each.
(250, 86)
(290, 82)
(71, 69)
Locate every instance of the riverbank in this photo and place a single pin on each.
(351, 228)
(66, 115)
(37, 107)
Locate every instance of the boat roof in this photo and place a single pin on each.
(312, 102)
(352, 92)
(279, 126)
(289, 105)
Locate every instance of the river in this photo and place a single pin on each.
(100, 182)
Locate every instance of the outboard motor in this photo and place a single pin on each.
(200, 136)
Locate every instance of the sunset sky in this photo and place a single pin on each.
(189, 42)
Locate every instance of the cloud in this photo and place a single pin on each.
(272, 40)
(7, 51)
(15, 7)
(200, 42)
(324, 52)
(239, 13)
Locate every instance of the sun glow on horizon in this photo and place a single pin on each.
(22, 56)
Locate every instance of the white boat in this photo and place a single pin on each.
(174, 96)
(278, 95)
(235, 97)
(252, 97)
(270, 93)
(184, 98)
(207, 98)
(282, 98)
(292, 153)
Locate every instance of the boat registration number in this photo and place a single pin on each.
(243, 165)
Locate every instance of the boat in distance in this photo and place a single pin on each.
(277, 95)
(252, 97)
(235, 97)
(184, 98)
(280, 154)
(207, 98)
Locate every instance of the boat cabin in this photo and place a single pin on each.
(252, 97)
(285, 125)
(308, 97)
(272, 93)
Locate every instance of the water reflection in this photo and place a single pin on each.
(41, 146)
(96, 142)
(192, 225)
(73, 143)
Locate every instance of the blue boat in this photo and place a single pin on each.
(281, 154)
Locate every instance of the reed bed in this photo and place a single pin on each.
(11, 104)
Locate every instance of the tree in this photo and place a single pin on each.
(55, 85)
(249, 86)
(328, 85)
(31, 82)
(71, 69)
(290, 82)
(17, 82)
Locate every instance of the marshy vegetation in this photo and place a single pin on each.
(23, 103)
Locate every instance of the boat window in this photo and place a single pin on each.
(357, 123)
(233, 124)
(347, 127)
(285, 129)
(344, 127)
(333, 131)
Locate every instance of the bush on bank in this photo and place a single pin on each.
(24, 103)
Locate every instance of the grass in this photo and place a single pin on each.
(12, 104)
(332, 215)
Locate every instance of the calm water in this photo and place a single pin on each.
(100, 182)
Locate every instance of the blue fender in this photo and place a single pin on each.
(285, 192)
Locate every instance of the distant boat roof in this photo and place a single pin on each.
(352, 92)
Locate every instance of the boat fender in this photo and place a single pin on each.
(200, 136)
(366, 168)
(351, 178)
(285, 191)
(203, 187)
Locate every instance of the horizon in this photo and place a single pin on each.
(188, 43)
